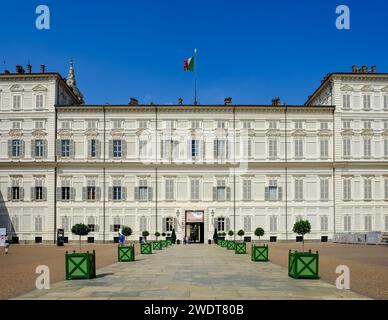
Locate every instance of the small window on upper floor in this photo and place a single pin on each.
(386, 102)
(65, 124)
(39, 101)
(367, 102)
(117, 124)
(346, 101)
(221, 124)
(39, 124)
(16, 125)
(346, 124)
(195, 124)
(298, 124)
(324, 125)
(143, 124)
(367, 125)
(170, 124)
(17, 102)
(92, 124)
(273, 124)
(247, 124)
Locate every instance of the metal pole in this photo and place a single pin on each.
(195, 77)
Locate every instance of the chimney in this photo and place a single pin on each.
(29, 68)
(373, 69)
(276, 101)
(19, 69)
(133, 102)
(42, 68)
(228, 101)
(354, 68)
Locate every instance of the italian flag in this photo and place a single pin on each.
(188, 64)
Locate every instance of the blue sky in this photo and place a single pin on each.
(250, 50)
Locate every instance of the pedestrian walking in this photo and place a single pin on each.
(6, 246)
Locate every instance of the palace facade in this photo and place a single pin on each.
(192, 168)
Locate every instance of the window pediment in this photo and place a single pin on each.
(346, 88)
(347, 132)
(273, 132)
(385, 89)
(15, 133)
(16, 88)
(367, 132)
(91, 133)
(367, 88)
(324, 133)
(117, 132)
(65, 133)
(39, 133)
(299, 132)
(39, 87)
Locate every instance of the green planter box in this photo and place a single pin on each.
(164, 243)
(169, 242)
(303, 265)
(259, 253)
(126, 253)
(157, 245)
(80, 265)
(241, 248)
(231, 245)
(146, 248)
(224, 243)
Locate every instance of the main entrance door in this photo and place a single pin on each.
(194, 230)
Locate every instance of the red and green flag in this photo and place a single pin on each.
(188, 64)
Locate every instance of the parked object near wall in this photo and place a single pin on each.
(126, 253)
(259, 253)
(81, 265)
(374, 237)
(303, 265)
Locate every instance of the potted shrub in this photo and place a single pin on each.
(157, 245)
(80, 265)
(145, 247)
(303, 265)
(215, 236)
(126, 253)
(241, 247)
(259, 252)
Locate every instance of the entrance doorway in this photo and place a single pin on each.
(194, 230)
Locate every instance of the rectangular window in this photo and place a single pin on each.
(367, 147)
(65, 125)
(221, 190)
(15, 193)
(169, 224)
(17, 102)
(93, 148)
(194, 148)
(39, 101)
(273, 224)
(368, 223)
(347, 191)
(65, 192)
(142, 148)
(273, 125)
(220, 149)
(347, 147)
(386, 188)
(38, 224)
(298, 144)
(298, 125)
(117, 194)
(221, 124)
(65, 223)
(16, 148)
(16, 125)
(385, 102)
(367, 125)
(347, 223)
(247, 147)
(117, 148)
(91, 193)
(324, 223)
(169, 150)
(324, 125)
(247, 223)
(324, 148)
(92, 124)
(367, 189)
(346, 101)
(38, 193)
(221, 224)
(385, 147)
(247, 189)
(346, 124)
(39, 148)
(39, 124)
(195, 124)
(194, 189)
(143, 190)
(143, 224)
(117, 124)
(273, 148)
(169, 189)
(65, 148)
(324, 189)
(142, 124)
(298, 189)
(247, 124)
(170, 124)
(367, 100)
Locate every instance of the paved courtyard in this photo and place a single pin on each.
(192, 272)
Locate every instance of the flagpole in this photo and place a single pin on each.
(195, 77)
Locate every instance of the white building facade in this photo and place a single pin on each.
(192, 168)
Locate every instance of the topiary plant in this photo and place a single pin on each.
(224, 234)
(302, 227)
(145, 234)
(241, 233)
(157, 234)
(126, 231)
(80, 229)
(163, 234)
(259, 232)
(230, 233)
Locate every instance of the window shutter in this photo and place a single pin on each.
(266, 193)
(149, 193)
(161, 149)
(215, 149)
(164, 225)
(72, 194)
(123, 149)
(176, 149)
(228, 193)
(89, 146)
(214, 193)
(189, 154)
(98, 193)
(84, 193)
(9, 194)
(58, 145)
(10, 148)
(22, 148)
(227, 224)
(44, 193)
(136, 193)
(123, 193)
(21, 193)
(59, 193)
(98, 149)
(33, 146)
(110, 193)
(280, 193)
(110, 149)
(202, 153)
(33, 196)
(45, 149)
(227, 143)
(111, 228)
(72, 149)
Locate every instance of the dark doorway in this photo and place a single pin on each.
(194, 230)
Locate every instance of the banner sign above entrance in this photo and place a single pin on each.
(194, 216)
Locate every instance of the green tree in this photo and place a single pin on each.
(259, 232)
(163, 234)
(157, 234)
(126, 231)
(241, 233)
(302, 227)
(173, 236)
(145, 234)
(80, 229)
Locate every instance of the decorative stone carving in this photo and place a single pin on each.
(15, 133)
